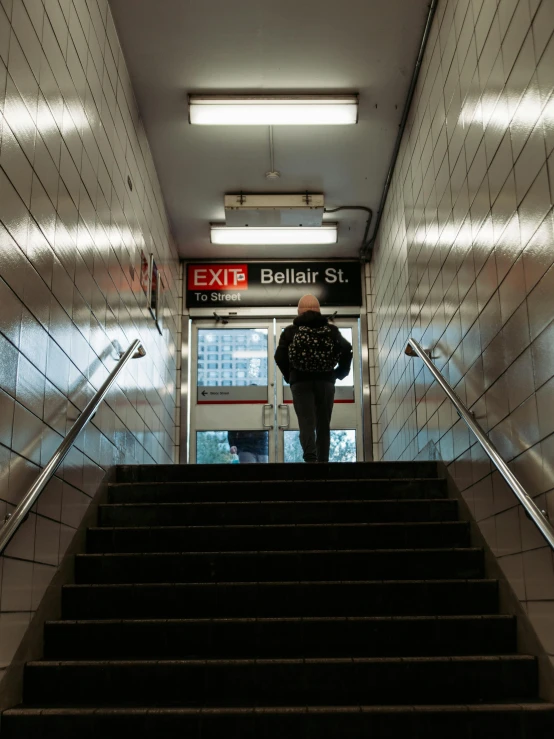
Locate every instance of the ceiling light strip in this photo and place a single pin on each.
(284, 236)
(273, 110)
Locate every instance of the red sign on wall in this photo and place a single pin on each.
(218, 277)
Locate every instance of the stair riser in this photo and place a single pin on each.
(278, 513)
(249, 601)
(453, 723)
(192, 539)
(236, 492)
(236, 472)
(347, 683)
(168, 640)
(278, 567)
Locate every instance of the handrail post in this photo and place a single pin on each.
(539, 518)
(16, 518)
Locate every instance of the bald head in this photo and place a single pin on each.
(308, 302)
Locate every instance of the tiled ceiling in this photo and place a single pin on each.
(174, 47)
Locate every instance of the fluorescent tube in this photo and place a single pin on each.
(273, 110)
(227, 235)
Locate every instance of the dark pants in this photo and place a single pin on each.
(252, 458)
(313, 403)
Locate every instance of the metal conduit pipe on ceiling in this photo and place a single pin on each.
(367, 247)
(355, 207)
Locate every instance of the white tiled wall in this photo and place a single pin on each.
(71, 233)
(465, 264)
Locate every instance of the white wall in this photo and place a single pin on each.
(465, 264)
(71, 232)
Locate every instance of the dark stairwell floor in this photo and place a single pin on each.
(281, 601)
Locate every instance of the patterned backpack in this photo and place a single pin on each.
(314, 350)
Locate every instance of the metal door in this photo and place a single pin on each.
(232, 402)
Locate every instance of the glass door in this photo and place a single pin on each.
(346, 422)
(232, 392)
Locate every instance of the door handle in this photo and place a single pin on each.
(264, 408)
(285, 407)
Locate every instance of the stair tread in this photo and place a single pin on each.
(284, 481)
(523, 658)
(531, 705)
(333, 510)
(250, 526)
(322, 501)
(284, 619)
(270, 583)
(280, 552)
(276, 471)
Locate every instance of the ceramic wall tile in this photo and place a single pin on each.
(539, 574)
(508, 534)
(513, 569)
(17, 584)
(541, 614)
(70, 232)
(12, 630)
(493, 336)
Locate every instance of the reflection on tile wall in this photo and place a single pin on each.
(71, 233)
(465, 264)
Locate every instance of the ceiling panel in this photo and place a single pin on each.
(175, 47)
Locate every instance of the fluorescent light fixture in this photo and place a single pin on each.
(273, 110)
(230, 236)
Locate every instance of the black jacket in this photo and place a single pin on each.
(314, 319)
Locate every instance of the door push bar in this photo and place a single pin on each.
(267, 406)
(287, 409)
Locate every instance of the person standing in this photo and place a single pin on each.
(251, 446)
(312, 355)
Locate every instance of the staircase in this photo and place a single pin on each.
(266, 602)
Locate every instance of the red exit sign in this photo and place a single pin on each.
(218, 277)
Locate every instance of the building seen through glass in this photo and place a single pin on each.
(232, 357)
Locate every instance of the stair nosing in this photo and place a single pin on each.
(325, 501)
(326, 481)
(407, 524)
(524, 658)
(535, 705)
(265, 583)
(280, 552)
(285, 619)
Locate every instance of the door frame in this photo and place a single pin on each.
(283, 407)
(249, 410)
(192, 315)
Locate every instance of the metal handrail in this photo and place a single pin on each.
(538, 517)
(14, 520)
